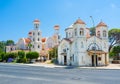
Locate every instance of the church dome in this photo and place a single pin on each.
(79, 21)
(36, 20)
(101, 24)
(43, 39)
(56, 27)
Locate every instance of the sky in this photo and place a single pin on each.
(17, 16)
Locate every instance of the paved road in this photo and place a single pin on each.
(23, 74)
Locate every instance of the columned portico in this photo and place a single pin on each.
(97, 56)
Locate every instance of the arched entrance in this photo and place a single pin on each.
(94, 60)
(65, 60)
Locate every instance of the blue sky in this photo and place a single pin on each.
(16, 16)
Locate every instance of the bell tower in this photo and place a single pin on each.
(79, 28)
(102, 30)
(56, 34)
(36, 23)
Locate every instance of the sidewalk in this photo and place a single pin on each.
(110, 66)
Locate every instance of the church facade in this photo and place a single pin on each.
(79, 48)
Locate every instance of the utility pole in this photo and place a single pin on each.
(94, 42)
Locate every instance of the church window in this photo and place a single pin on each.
(98, 33)
(104, 33)
(38, 46)
(73, 57)
(82, 45)
(99, 58)
(81, 31)
(38, 33)
(66, 34)
(75, 32)
(93, 48)
(64, 50)
(38, 39)
(69, 34)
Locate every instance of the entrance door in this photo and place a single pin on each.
(65, 60)
(94, 59)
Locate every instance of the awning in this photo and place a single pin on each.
(97, 52)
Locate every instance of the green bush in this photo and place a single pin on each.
(111, 54)
(32, 55)
(22, 60)
(21, 54)
(10, 55)
(2, 56)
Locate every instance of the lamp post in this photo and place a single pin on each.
(94, 42)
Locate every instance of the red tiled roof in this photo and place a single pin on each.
(101, 24)
(79, 21)
(36, 20)
(27, 40)
(56, 27)
(43, 39)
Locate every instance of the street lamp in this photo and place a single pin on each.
(94, 42)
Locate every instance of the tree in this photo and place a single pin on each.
(32, 55)
(29, 46)
(53, 53)
(2, 46)
(114, 37)
(2, 55)
(116, 51)
(92, 31)
(9, 42)
(21, 57)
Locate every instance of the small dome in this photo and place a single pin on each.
(79, 21)
(36, 20)
(43, 39)
(101, 24)
(56, 27)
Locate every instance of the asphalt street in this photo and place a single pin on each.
(23, 74)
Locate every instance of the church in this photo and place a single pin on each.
(36, 42)
(79, 48)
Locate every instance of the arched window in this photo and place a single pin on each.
(69, 35)
(104, 33)
(66, 34)
(38, 39)
(98, 33)
(38, 46)
(38, 33)
(81, 31)
(75, 32)
(82, 45)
